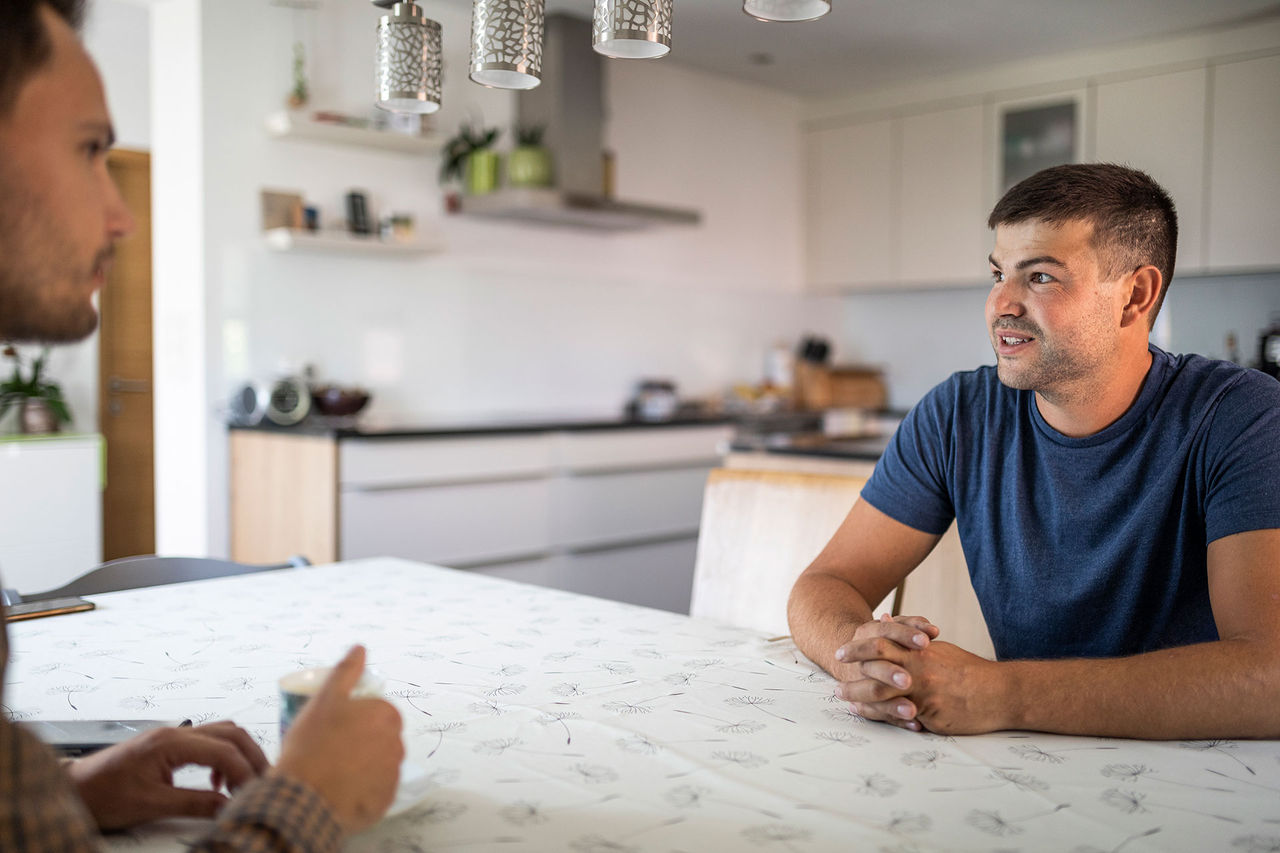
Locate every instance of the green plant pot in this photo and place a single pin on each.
(529, 166)
(480, 174)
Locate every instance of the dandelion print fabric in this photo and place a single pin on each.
(539, 720)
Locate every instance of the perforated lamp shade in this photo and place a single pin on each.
(506, 43)
(632, 29)
(408, 60)
(786, 10)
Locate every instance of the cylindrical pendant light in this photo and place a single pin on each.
(506, 43)
(632, 29)
(786, 10)
(408, 62)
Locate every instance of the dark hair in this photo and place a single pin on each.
(1134, 221)
(24, 41)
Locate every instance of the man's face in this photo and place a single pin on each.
(1054, 324)
(60, 212)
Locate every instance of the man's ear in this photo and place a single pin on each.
(1144, 284)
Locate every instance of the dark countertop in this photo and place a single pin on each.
(867, 448)
(503, 425)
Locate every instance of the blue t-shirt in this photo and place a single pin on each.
(1094, 546)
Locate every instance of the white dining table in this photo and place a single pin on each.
(540, 720)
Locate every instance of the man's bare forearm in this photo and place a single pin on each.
(1228, 688)
(823, 612)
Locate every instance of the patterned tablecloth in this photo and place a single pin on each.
(538, 720)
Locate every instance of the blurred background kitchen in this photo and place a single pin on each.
(816, 263)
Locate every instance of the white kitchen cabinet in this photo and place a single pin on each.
(613, 512)
(50, 510)
(1157, 124)
(454, 524)
(851, 205)
(1244, 177)
(653, 574)
(898, 201)
(383, 463)
(597, 509)
(942, 231)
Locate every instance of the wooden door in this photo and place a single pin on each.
(124, 374)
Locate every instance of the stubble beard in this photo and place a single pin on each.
(1055, 373)
(44, 294)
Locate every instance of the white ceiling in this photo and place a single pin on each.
(865, 44)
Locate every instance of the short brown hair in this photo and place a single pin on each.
(24, 42)
(1134, 221)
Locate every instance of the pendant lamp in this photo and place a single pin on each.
(506, 43)
(632, 29)
(786, 10)
(409, 59)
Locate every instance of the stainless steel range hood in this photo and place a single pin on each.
(570, 105)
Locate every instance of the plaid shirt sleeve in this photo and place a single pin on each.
(275, 814)
(39, 809)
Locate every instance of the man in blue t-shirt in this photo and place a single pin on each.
(1118, 506)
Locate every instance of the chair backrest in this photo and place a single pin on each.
(760, 529)
(153, 570)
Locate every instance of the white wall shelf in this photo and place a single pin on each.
(293, 125)
(293, 240)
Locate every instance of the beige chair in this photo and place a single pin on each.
(760, 529)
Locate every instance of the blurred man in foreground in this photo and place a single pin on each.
(60, 217)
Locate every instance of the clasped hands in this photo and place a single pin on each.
(895, 670)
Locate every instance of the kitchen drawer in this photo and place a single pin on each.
(658, 574)
(639, 448)
(595, 509)
(449, 525)
(539, 571)
(364, 463)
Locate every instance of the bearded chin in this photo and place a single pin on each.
(33, 324)
(1011, 377)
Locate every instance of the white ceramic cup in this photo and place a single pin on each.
(297, 688)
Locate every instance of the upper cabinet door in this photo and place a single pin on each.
(942, 221)
(850, 205)
(1157, 124)
(1244, 171)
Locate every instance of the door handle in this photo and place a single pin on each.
(116, 385)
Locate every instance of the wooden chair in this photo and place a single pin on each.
(152, 570)
(760, 529)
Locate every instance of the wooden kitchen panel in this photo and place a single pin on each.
(283, 497)
(597, 509)
(385, 462)
(449, 525)
(619, 449)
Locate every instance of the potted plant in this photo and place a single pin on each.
(469, 156)
(529, 163)
(41, 406)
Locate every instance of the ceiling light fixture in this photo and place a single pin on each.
(408, 61)
(786, 10)
(506, 43)
(632, 29)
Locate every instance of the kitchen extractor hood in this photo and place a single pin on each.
(570, 105)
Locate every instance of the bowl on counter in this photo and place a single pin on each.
(336, 401)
